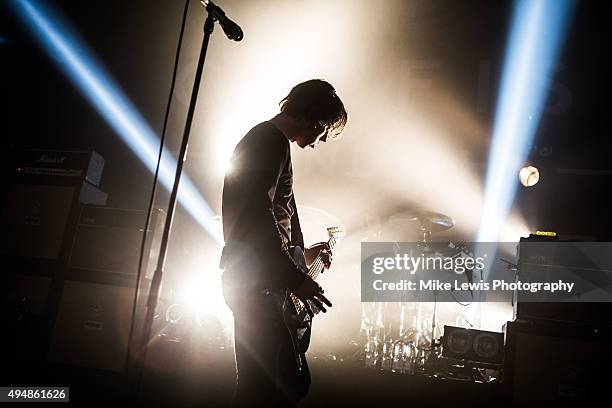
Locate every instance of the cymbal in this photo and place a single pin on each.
(434, 221)
(427, 221)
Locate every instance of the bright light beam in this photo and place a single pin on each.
(537, 33)
(77, 63)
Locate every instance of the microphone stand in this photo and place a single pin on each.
(155, 287)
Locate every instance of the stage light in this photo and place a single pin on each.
(536, 34)
(201, 291)
(77, 63)
(175, 313)
(529, 176)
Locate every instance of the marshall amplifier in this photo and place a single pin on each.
(64, 164)
(41, 197)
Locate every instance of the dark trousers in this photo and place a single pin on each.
(265, 360)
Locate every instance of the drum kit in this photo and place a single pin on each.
(401, 337)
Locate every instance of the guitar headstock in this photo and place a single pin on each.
(335, 234)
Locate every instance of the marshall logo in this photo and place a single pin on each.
(47, 158)
(61, 163)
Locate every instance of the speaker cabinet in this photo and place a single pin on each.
(34, 220)
(26, 292)
(23, 320)
(107, 244)
(556, 364)
(92, 326)
(473, 345)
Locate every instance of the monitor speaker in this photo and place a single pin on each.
(473, 345)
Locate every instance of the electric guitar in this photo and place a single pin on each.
(297, 319)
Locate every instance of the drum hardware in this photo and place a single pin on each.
(415, 349)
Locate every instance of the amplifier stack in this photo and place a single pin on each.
(70, 263)
(557, 353)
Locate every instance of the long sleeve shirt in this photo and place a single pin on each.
(259, 213)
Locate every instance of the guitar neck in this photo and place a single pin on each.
(317, 266)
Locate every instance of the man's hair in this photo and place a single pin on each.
(316, 101)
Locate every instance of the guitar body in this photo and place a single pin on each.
(300, 346)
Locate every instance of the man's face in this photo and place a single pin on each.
(311, 135)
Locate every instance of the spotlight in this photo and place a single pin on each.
(529, 176)
(536, 36)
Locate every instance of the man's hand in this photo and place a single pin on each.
(310, 291)
(322, 248)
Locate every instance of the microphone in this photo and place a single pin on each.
(231, 29)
